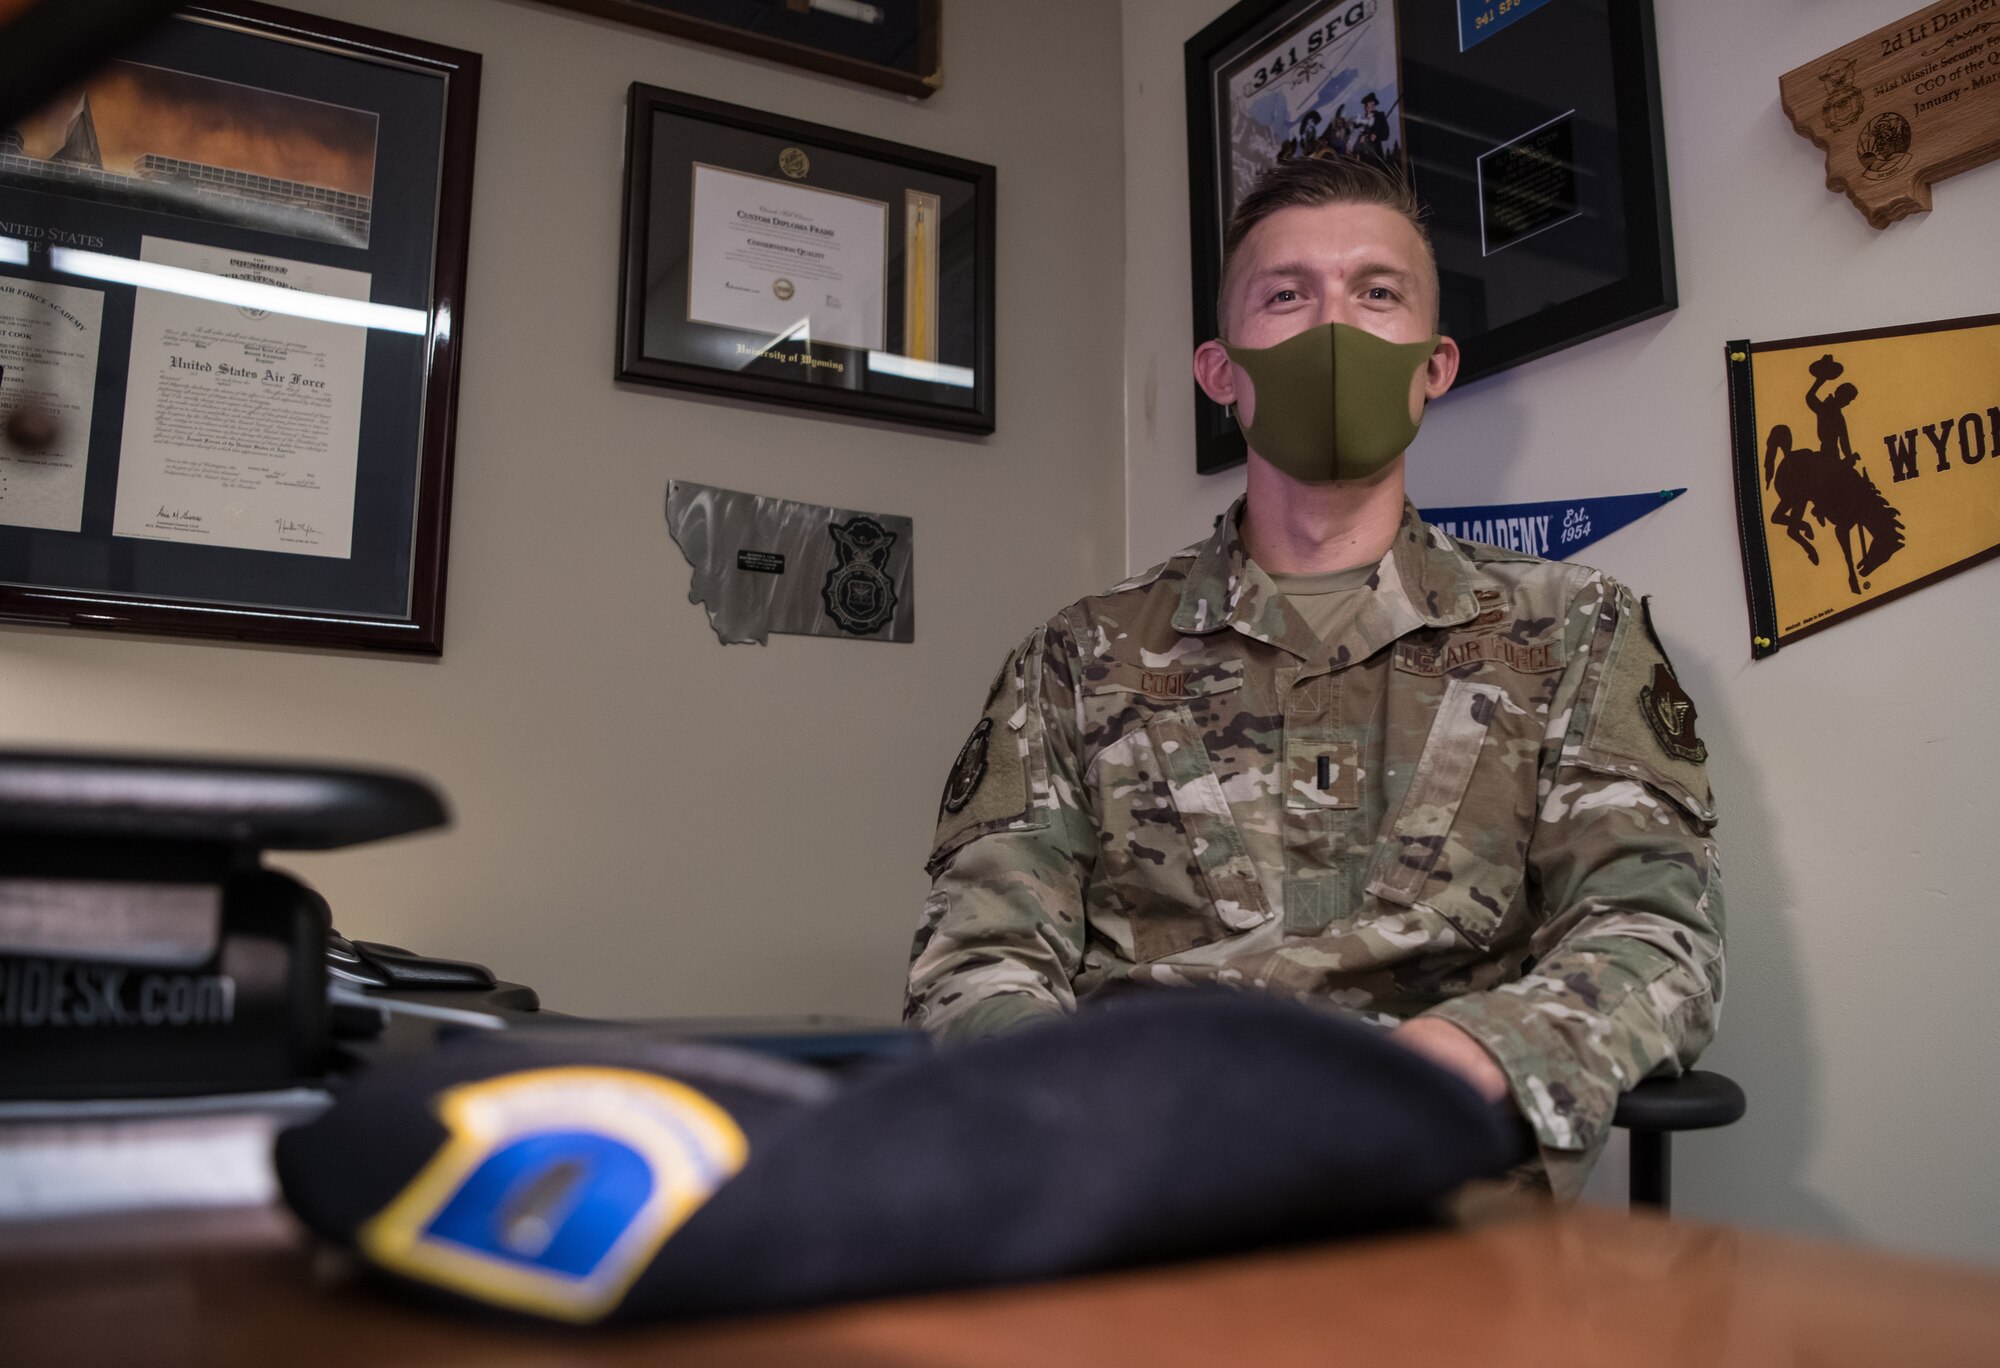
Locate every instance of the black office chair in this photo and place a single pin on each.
(1653, 1111)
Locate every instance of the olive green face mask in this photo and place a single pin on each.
(1333, 403)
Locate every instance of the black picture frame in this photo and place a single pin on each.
(1570, 86)
(936, 373)
(900, 51)
(421, 101)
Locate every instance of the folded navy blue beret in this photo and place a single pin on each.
(595, 1176)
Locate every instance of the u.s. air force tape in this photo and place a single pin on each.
(604, 1176)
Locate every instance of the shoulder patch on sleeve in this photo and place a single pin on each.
(1642, 721)
(995, 777)
(968, 772)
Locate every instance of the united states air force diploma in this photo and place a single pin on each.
(242, 427)
(48, 362)
(766, 255)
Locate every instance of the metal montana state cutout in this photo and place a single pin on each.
(764, 565)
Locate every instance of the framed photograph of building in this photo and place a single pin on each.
(232, 261)
(767, 258)
(1530, 129)
(893, 44)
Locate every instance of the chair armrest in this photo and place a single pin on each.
(1697, 1100)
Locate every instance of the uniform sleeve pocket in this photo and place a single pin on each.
(1424, 860)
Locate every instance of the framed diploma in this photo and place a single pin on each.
(1530, 129)
(231, 269)
(770, 259)
(893, 44)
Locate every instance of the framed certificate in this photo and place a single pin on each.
(231, 267)
(1530, 129)
(893, 44)
(771, 259)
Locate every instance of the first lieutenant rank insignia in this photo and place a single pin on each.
(557, 1187)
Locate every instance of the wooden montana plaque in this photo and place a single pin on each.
(1909, 104)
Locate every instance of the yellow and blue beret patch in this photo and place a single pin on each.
(556, 1187)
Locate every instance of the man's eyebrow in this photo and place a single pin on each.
(1283, 268)
(1367, 270)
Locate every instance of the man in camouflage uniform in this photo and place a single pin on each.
(1453, 789)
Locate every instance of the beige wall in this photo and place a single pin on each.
(650, 822)
(1854, 770)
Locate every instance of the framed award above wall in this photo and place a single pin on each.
(1530, 129)
(893, 44)
(232, 261)
(769, 258)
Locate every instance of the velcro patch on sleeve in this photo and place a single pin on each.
(1642, 721)
(991, 785)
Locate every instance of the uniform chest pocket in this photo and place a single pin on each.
(1457, 848)
(1173, 857)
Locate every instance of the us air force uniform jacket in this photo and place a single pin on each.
(1484, 801)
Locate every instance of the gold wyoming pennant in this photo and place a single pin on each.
(1867, 465)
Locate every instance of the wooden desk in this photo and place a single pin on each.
(1584, 1287)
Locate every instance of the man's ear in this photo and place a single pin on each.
(1213, 373)
(1441, 369)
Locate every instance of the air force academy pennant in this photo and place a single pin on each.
(1557, 529)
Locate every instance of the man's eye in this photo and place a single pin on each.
(1381, 292)
(1285, 296)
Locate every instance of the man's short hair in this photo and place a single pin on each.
(1307, 183)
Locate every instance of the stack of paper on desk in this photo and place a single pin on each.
(72, 1158)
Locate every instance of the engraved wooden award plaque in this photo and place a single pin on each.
(1912, 103)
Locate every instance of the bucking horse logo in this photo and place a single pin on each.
(1828, 485)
